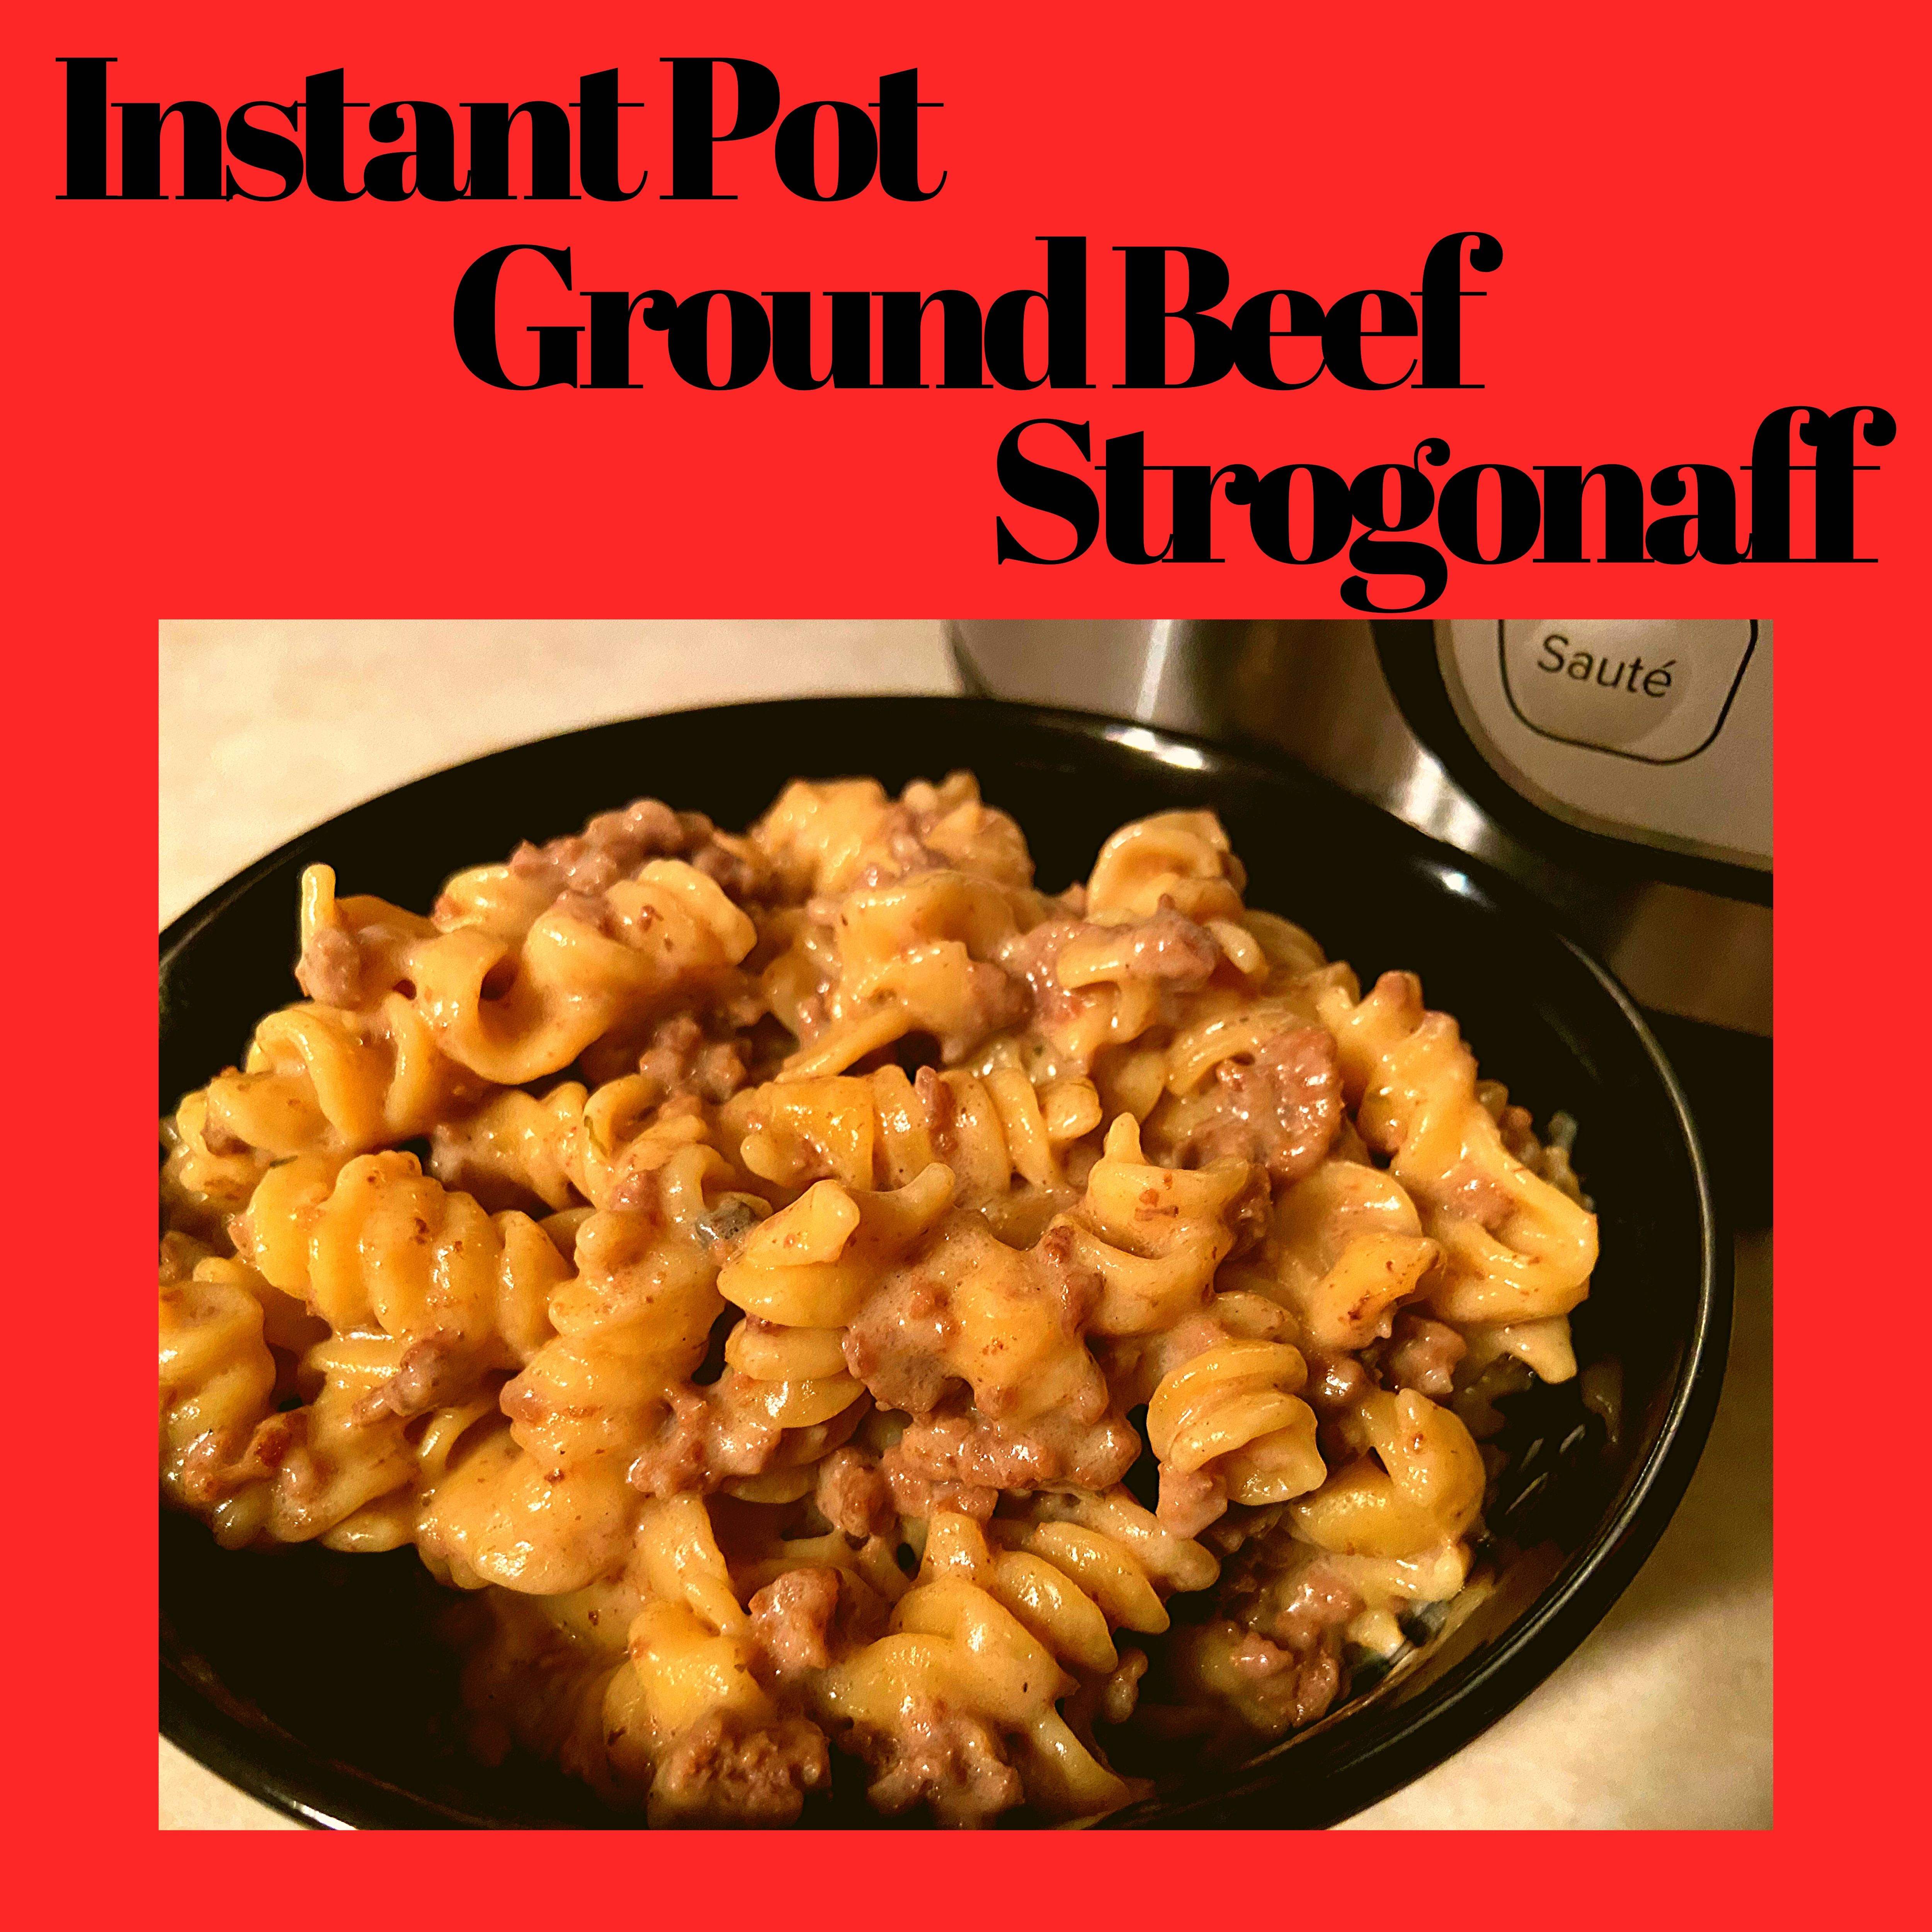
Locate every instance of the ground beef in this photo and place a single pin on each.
(994, 1001)
(1077, 1288)
(917, 1495)
(903, 1344)
(639, 1192)
(1282, 1109)
(1422, 1355)
(906, 855)
(431, 1374)
(897, 1342)
(1475, 1196)
(1518, 1132)
(330, 971)
(852, 1496)
(790, 1619)
(611, 844)
(964, 1447)
(1228, 1536)
(1035, 957)
(941, 1107)
(278, 1447)
(616, 844)
(218, 1137)
(1190, 1499)
(179, 1254)
(941, 1758)
(593, 910)
(733, 865)
(1166, 946)
(680, 1061)
(1293, 1688)
(1318, 1602)
(900, 1343)
(1335, 1383)
(1334, 1389)
(208, 1469)
(703, 1440)
(716, 1772)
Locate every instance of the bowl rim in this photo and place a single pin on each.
(1390, 1747)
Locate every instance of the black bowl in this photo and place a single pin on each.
(312, 1679)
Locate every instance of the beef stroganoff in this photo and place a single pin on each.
(819, 1300)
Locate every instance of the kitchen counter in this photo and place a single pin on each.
(1661, 1718)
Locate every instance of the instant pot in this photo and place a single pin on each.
(1619, 768)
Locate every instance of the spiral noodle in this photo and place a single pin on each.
(516, 1145)
(796, 1378)
(821, 838)
(821, 1263)
(202, 1188)
(1233, 1413)
(1347, 1247)
(990, 1642)
(815, 1263)
(1418, 1488)
(1181, 856)
(217, 1382)
(320, 1081)
(881, 1129)
(559, 1497)
(830, 1246)
(513, 1002)
(914, 955)
(1415, 1082)
(1154, 1235)
(378, 1244)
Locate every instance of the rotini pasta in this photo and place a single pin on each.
(840, 1319)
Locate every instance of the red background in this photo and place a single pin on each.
(245, 410)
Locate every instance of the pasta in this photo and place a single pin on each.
(841, 1319)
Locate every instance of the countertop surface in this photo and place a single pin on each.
(1663, 1717)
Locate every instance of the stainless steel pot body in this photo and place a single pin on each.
(1319, 690)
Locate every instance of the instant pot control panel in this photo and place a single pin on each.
(1630, 728)
(1623, 749)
